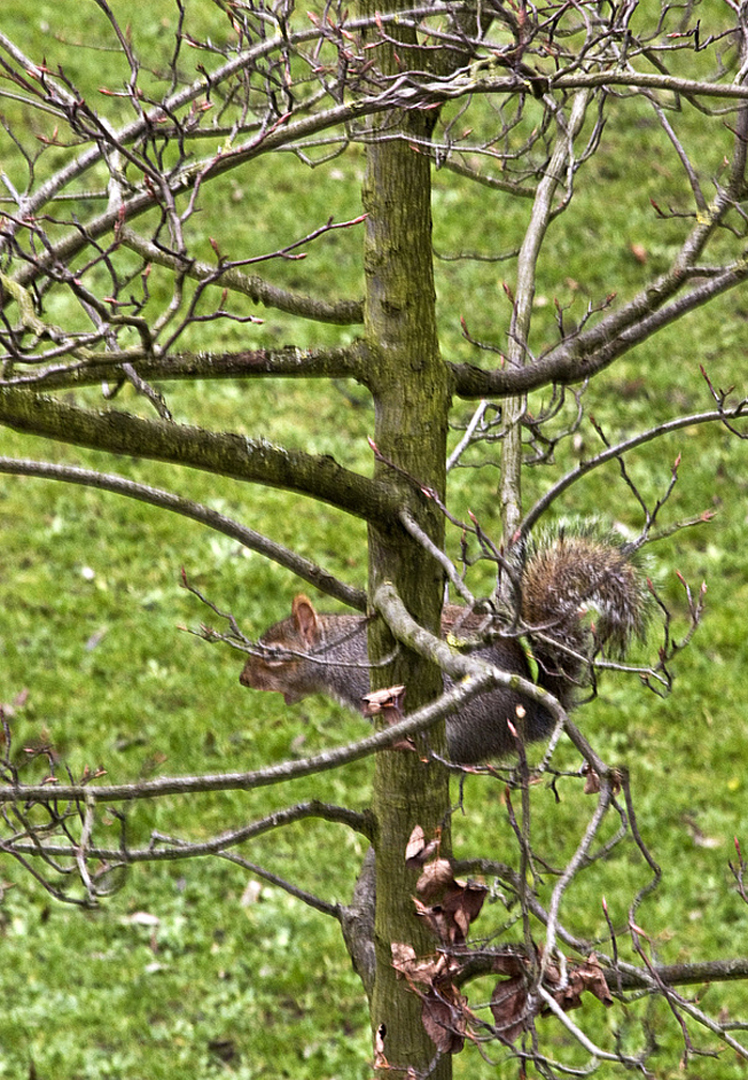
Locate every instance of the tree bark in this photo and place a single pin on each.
(410, 387)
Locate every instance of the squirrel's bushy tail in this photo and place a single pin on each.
(583, 569)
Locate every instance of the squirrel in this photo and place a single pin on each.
(563, 575)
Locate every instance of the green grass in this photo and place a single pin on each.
(222, 982)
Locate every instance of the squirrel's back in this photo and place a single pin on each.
(564, 577)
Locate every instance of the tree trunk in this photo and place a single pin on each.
(411, 393)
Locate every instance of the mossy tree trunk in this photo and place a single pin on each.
(410, 388)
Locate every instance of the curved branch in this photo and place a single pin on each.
(627, 977)
(471, 672)
(167, 500)
(342, 313)
(495, 183)
(623, 76)
(653, 308)
(324, 907)
(480, 677)
(147, 120)
(136, 128)
(402, 93)
(357, 923)
(541, 506)
(226, 454)
(174, 849)
(144, 199)
(593, 350)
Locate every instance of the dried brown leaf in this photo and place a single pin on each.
(510, 963)
(444, 1018)
(450, 920)
(509, 1007)
(464, 903)
(402, 953)
(424, 969)
(587, 976)
(416, 843)
(380, 700)
(435, 878)
(439, 923)
(417, 850)
(592, 782)
(510, 1003)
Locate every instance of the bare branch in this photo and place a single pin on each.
(532, 517)
(259, 291)
(227, 454)
(167, 500)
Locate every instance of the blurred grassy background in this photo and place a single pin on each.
(187, 969)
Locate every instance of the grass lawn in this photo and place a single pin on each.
(201, 968)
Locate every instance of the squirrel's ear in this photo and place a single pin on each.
(305, 618)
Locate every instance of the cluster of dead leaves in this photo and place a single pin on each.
(449, 906)
(512, 1005)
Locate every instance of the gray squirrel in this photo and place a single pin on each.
(563, 576)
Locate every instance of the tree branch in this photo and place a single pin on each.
(593, 350)
(167, 500)
(168, 849)
(480, 677)
(347, 362)
(342, 312)
(541, 506)
(226, 454)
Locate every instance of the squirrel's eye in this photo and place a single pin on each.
(274, 656)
